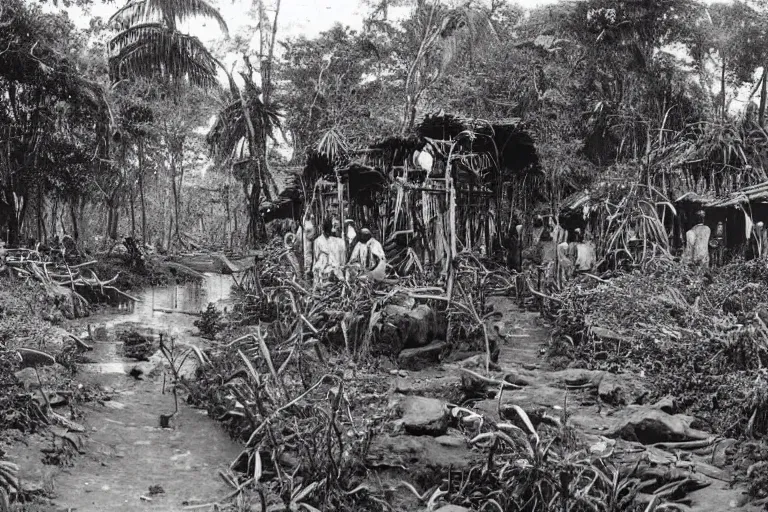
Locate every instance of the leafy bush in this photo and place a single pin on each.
(210, 322)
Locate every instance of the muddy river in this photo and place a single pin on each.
(126, 452)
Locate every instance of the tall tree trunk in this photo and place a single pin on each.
(228, 230)
(114, 218)
(141, 192)
(133, 213)
(763, 91)
(54, 215)
(73, 219)
(40, 215)
(722, 86)
(176, 206)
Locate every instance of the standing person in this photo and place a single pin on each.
(564, 264)
(369, 255)
(584, 253)
(512, 244)
(717, 243)
(304, 236)
(328, 260)
(697, 243)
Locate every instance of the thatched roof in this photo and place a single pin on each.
(753, 194)
(285, 186)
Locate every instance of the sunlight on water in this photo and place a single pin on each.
(188, 297)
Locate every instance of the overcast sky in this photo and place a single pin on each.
(297, 17)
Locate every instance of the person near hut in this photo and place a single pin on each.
(513, 246)
(329, 254)
(564, 264)
(351, 236)
(717, 244)
(547, 247)
(304, 236)
(697, 243)
(368, 255)
(758, 242)
(583, 253)
(3, 256)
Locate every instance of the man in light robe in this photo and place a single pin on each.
(697, 243)
(369, 255)
(584, 253)
(329, 254)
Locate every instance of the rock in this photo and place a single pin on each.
(412, 451)
(446, 387)
(722, 451)
(452, 508)
(422, 357)
(623, 389)
(454, 441)
(649, 426)
(402, 327)
(575, 377)
(55, 399)
(28, 377)
(422, 416)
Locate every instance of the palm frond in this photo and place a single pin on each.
(332, 145)
(130, 14)
(153, 50)
(230, 129)
(183, 10)
(170, 11)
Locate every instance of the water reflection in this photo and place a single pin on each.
(188, 297)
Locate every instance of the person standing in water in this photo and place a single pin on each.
(697, 243)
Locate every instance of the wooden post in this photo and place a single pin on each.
(340, 196)
(452, 215)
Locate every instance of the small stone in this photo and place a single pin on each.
(423, 416)
(624, 389)
(422, 357)
(154, 490)
(452, 508)
(451, 441)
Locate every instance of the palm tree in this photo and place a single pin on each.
(151, 45)
(238, 139)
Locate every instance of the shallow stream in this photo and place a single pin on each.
(126, 451)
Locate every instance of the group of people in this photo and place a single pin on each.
(328, 256)
(557, 251)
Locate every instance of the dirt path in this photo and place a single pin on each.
(586, 396)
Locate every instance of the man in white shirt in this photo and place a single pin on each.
(369, 255)
(329, 254)
(584, 253)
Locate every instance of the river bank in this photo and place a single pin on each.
(417, 436)
(114, 443)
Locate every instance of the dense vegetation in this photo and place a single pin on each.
(104, 128)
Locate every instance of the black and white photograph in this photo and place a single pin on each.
(383, 256)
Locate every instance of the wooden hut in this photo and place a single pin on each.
(288, 200)
(448, 187)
